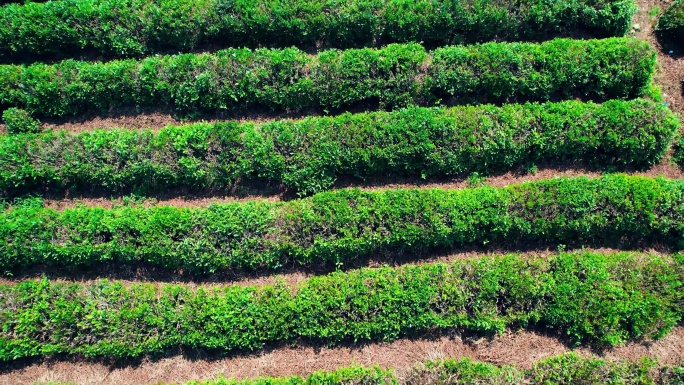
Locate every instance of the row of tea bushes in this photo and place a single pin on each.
(568, 368)
(308, 156)
(126, 28)
(586, 297)
(341, 227)
(290, 79)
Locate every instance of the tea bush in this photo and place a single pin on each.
(339, 228)
(590, 298)
(670, 27)
(308, 156)
(19, 121)
(133, 28)
(289, 79)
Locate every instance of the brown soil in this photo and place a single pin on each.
(514, 348)
(126, 117)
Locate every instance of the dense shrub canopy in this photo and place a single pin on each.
(308, 156)
(344, 226)
(130, 28)
(593, 298)
(19, 121)
(670, 28)
(290, 79)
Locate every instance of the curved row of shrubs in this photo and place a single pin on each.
(289, 79)
(127, 28)
(345, 226)
(308, 156)
(567, 368)
(585, 297)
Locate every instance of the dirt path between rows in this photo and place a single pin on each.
(514, 348)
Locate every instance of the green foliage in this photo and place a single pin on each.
(572, 369)
(353, 375)
(678, 154)
(568, 369)
(2, 2)
(464, 372)
(19, 121)
(591, 298)
(339, 227)
(127, 28)
(289, 79)
(309, 155)
(670, 27)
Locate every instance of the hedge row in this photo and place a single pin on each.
(3, 2)
(343, 227)
(289, 79)
(354, 375)
(124, 28)
(670, 27)
(585, 297)
(308, 156)
(678, 153)
(569, 368)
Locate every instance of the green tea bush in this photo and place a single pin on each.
(590, 298)
(354, 375)
(340, 227)
(569, 368)
(678, 153)
(289, 79)
(2, 2)
(129, 28)
(19, 121)
(670, 27)
(308, 156)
